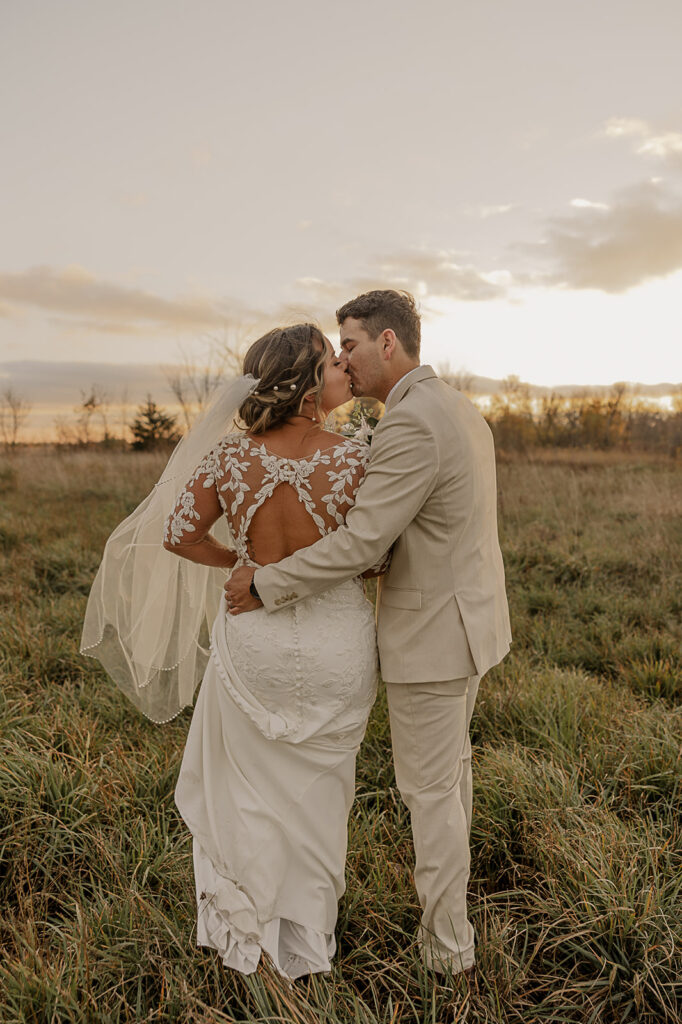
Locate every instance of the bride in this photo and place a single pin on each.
(267, 778)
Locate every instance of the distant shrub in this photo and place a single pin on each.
(153, 428)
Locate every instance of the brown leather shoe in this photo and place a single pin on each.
(471, 975)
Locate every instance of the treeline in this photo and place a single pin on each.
(150, 427)
(520, 422)
(617, 420)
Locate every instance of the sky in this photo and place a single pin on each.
(176, 173)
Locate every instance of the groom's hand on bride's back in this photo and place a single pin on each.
(238, 596)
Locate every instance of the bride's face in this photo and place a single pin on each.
(336, 382)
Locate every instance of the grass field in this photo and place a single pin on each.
(576, 888)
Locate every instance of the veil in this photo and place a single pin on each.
(149, 613)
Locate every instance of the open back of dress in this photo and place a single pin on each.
(274, 505)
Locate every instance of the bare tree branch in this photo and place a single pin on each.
(194, 380)
(13, 413)
(94, 403)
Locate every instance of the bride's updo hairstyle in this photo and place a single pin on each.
(289, 361)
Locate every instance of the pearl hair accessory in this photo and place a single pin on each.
(292, 387)
(275, 388)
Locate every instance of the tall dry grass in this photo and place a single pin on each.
(576, 881)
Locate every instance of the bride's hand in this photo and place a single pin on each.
(237, 595)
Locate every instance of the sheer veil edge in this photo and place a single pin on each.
(149, 614)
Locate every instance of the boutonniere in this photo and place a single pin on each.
(360, 427)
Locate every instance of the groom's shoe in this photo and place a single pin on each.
(446, 962)
(469, 973)
(463, 986)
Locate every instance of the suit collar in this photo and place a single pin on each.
(406, 382)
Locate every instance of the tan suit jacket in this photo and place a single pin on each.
(429, 489)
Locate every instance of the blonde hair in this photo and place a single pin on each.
(289, 361)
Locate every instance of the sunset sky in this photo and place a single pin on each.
(173, 171)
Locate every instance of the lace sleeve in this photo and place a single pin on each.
(381, 566)
(351, 462)
(199, 505)
(348, 463)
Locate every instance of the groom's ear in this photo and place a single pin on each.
(388, 343)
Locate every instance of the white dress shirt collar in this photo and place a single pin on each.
(404, 377)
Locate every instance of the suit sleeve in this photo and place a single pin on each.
(400, 477)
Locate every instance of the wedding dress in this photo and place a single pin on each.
(267, 778)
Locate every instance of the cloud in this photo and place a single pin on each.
(667, 145)
(612, 247)
(441, 274)
(494, 211)
(663, 145)
(637, 238)
(617, 127)
(587, 204)
(483, 211)
(78, 293)
(69, 325)
(427, 273)
(61, 383)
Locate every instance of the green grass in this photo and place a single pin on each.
(576, 881)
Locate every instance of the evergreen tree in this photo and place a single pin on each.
(152, 427)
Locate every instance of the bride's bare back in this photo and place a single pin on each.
(279, 492)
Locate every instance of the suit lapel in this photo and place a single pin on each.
(404, 385)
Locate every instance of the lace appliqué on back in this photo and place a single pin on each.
(244, 474)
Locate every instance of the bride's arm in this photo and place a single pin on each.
(380, 568)
(187, 528)
(354, 481)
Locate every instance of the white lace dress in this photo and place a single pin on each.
(268, 774)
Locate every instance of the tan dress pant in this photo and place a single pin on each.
(432, 756)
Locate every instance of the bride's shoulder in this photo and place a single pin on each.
(235, 439)
(349, 447)
(228, 446)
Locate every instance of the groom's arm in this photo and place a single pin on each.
(400, 477)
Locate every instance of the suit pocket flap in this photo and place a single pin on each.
(395, 597)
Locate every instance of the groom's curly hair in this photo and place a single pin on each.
(289, 362)
(386, 309)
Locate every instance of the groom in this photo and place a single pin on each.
(442, 618)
